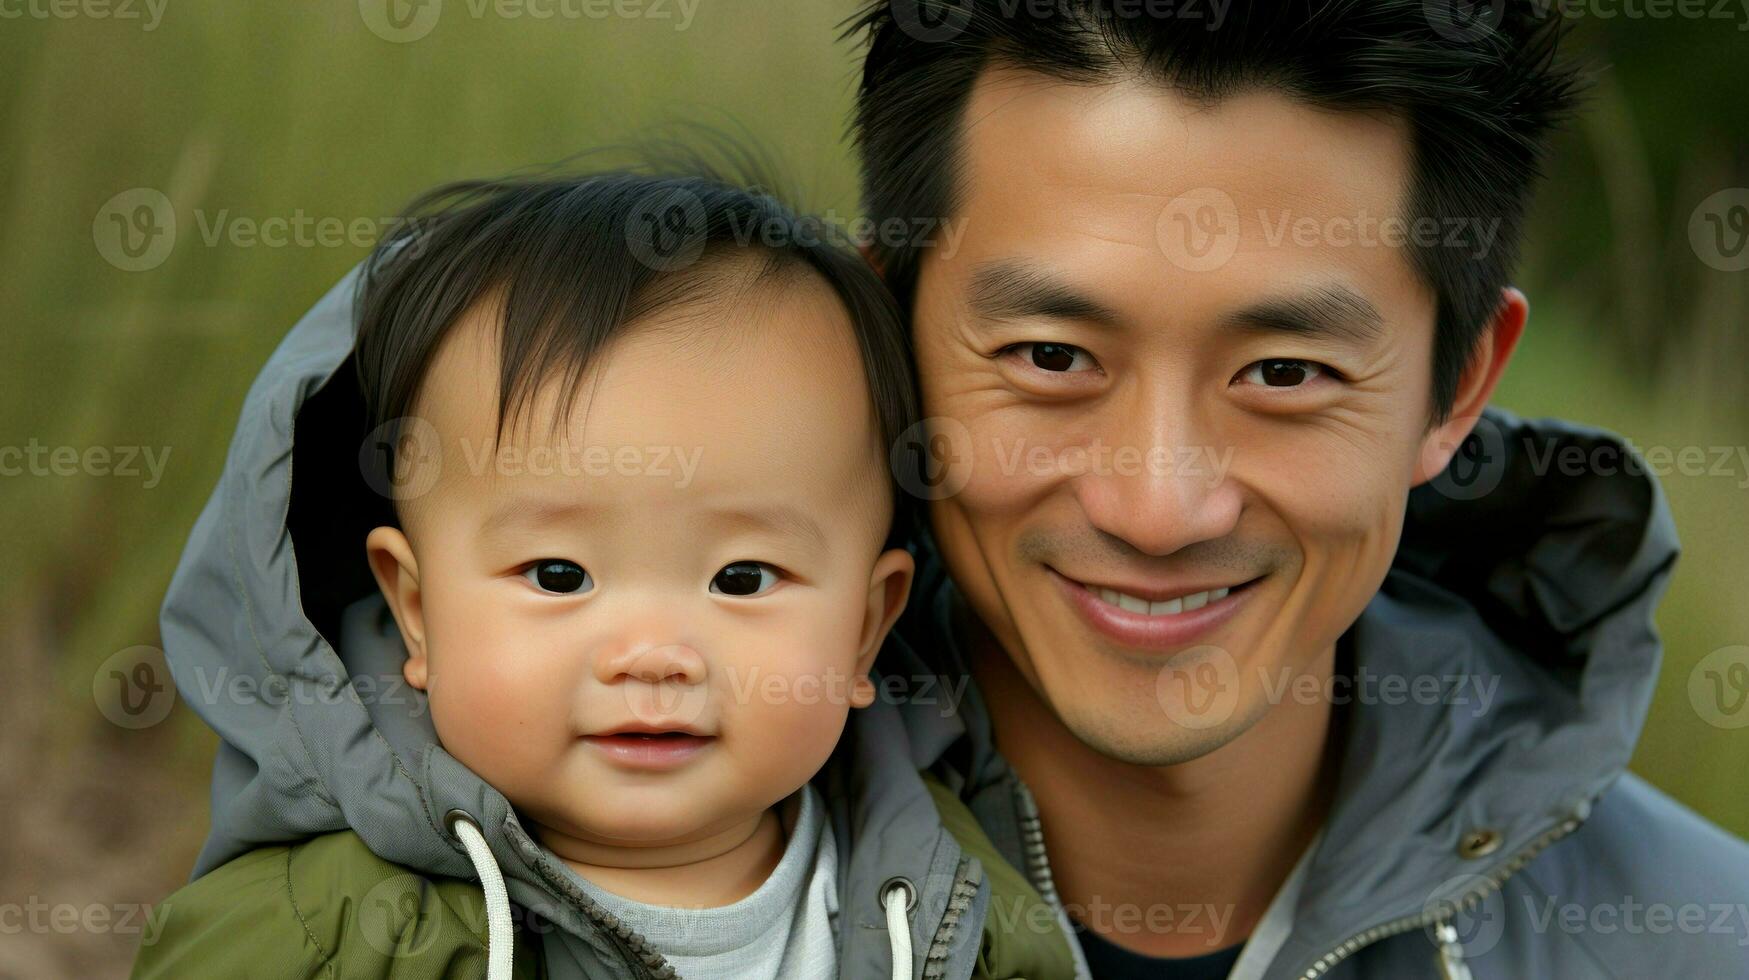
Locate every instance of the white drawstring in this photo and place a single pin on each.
(896, 898)
(500, 940)
(1451, 953)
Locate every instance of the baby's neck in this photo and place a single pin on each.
(718, 869)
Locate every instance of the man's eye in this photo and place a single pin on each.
(1282, 373)
(1056, 358)
(744, 578)
(558, 576)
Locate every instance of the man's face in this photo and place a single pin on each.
(1192, 424)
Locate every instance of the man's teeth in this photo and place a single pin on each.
(1167, 607)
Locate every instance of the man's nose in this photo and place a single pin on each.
(650, 662)
(1173, 493)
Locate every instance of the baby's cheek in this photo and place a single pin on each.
(792, 717)
(791, 740)
(814, 667)
(497, 721)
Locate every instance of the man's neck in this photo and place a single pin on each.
(1176, 860)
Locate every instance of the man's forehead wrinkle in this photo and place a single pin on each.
(1145, 240)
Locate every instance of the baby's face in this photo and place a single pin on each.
(649, 626)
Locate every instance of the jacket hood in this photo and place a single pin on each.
(1523, 587)
(276, 635)
(1536, 574)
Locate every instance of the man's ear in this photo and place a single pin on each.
(397, 574)
(1487, 363)
(889, 588)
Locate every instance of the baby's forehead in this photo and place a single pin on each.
(763, 384)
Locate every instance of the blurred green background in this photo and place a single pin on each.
(244, 112)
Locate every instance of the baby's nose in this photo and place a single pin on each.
(652, 663)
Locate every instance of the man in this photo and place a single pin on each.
(1224, 294)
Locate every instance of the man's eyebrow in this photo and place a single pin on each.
(1007, 290)
(1333, 311)
(780, 517)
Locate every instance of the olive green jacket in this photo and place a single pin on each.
(329, 908)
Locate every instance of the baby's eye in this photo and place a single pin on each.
(1282, 373)
(744, 578)
(558, 576)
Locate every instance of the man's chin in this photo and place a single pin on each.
(1151, 738)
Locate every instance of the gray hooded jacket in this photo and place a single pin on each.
(1491, 835)
(276, 636)
(1458, 840)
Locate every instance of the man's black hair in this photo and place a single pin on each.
(572, 261)
(1480, 96)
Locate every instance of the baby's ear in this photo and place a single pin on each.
(889, 588)
(397, 574)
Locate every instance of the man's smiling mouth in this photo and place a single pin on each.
(1155, 618)
(1165, 607)
(1168, 601)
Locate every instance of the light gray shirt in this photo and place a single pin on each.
(785, 929)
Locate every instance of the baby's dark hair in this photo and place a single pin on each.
(574, 260)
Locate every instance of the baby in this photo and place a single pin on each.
(638, 554)
(644, 605)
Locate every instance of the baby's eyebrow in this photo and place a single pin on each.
(535, 513)
(779, 517)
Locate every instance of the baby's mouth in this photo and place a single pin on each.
(650, 749)
(635, 738)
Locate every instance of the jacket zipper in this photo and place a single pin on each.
(959, 901)
(636, 951)
(1032, 844)
(1493, 881)
(1038, 870)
